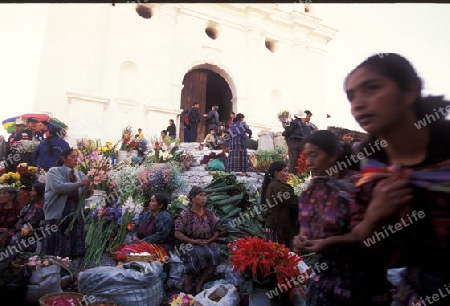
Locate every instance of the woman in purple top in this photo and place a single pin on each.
(351, 277)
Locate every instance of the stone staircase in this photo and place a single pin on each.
(197, 175)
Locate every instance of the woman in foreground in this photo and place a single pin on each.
(198, 228)
(352, 276)
(404, 192)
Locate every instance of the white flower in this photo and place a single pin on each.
(132, 207)
(184, 199)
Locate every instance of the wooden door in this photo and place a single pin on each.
(194, 90)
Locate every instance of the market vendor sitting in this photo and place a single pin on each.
(198, 227)
(30, 217)
(9, 210)
(155, 226)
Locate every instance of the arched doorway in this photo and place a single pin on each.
(208, 88)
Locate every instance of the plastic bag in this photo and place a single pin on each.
(232, 277)
(131, 284)
(177, 272)
(216, 164)
(221, 295)
(42, 281)
(394, 276)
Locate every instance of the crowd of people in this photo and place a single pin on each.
(334, 217)
(340, 214)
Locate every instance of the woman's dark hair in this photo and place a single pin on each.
(171, 121)
(401, 71)
(162, 198)
(269, 175)
(238, 117)
(195, 190)
(53, 132)
(64, 154)
(331, 144)
(40, 189)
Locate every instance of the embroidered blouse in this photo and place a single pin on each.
(197, 227)
(325, 206)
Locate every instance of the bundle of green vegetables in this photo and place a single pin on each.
(236, 206)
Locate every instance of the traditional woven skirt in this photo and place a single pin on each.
(200, 257)
(237, 155)
(61, 244)
(347, 285)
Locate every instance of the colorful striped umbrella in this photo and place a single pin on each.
(10, 124)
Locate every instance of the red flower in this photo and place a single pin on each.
(302, 168)
(264, 258)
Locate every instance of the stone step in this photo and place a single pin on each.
(198, 176)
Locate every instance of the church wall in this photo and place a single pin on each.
(126, 69)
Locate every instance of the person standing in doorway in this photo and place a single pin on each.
(194, 119)
(212, 118)
(186, 126)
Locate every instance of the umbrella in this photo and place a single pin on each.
(39, 117)
(10, 124)
(57, 122)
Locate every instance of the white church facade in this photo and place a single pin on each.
(143, 64)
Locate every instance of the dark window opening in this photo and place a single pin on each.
(212, 33)
(144, 11)
(270, 45)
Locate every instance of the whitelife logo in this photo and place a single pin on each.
(393, 229)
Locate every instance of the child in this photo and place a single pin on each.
(211, 139)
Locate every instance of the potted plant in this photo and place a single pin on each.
(263, 264)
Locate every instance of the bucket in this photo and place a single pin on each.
(122, 155)
(259, 298)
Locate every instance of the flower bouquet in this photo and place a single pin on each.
(34, 262)
(284, 116)
(162, 178)
(27, 175)
(25, 146)
(11, 179)
(178, 205)
(299, 183)
(181, 299)
(129, 139)
(164, 151)
(102, 222)
(263, 263)
(130, 209)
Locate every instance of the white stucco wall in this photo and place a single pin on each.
(115, 68)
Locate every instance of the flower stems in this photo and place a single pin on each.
(77, 212)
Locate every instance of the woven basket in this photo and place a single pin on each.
(48, 296)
